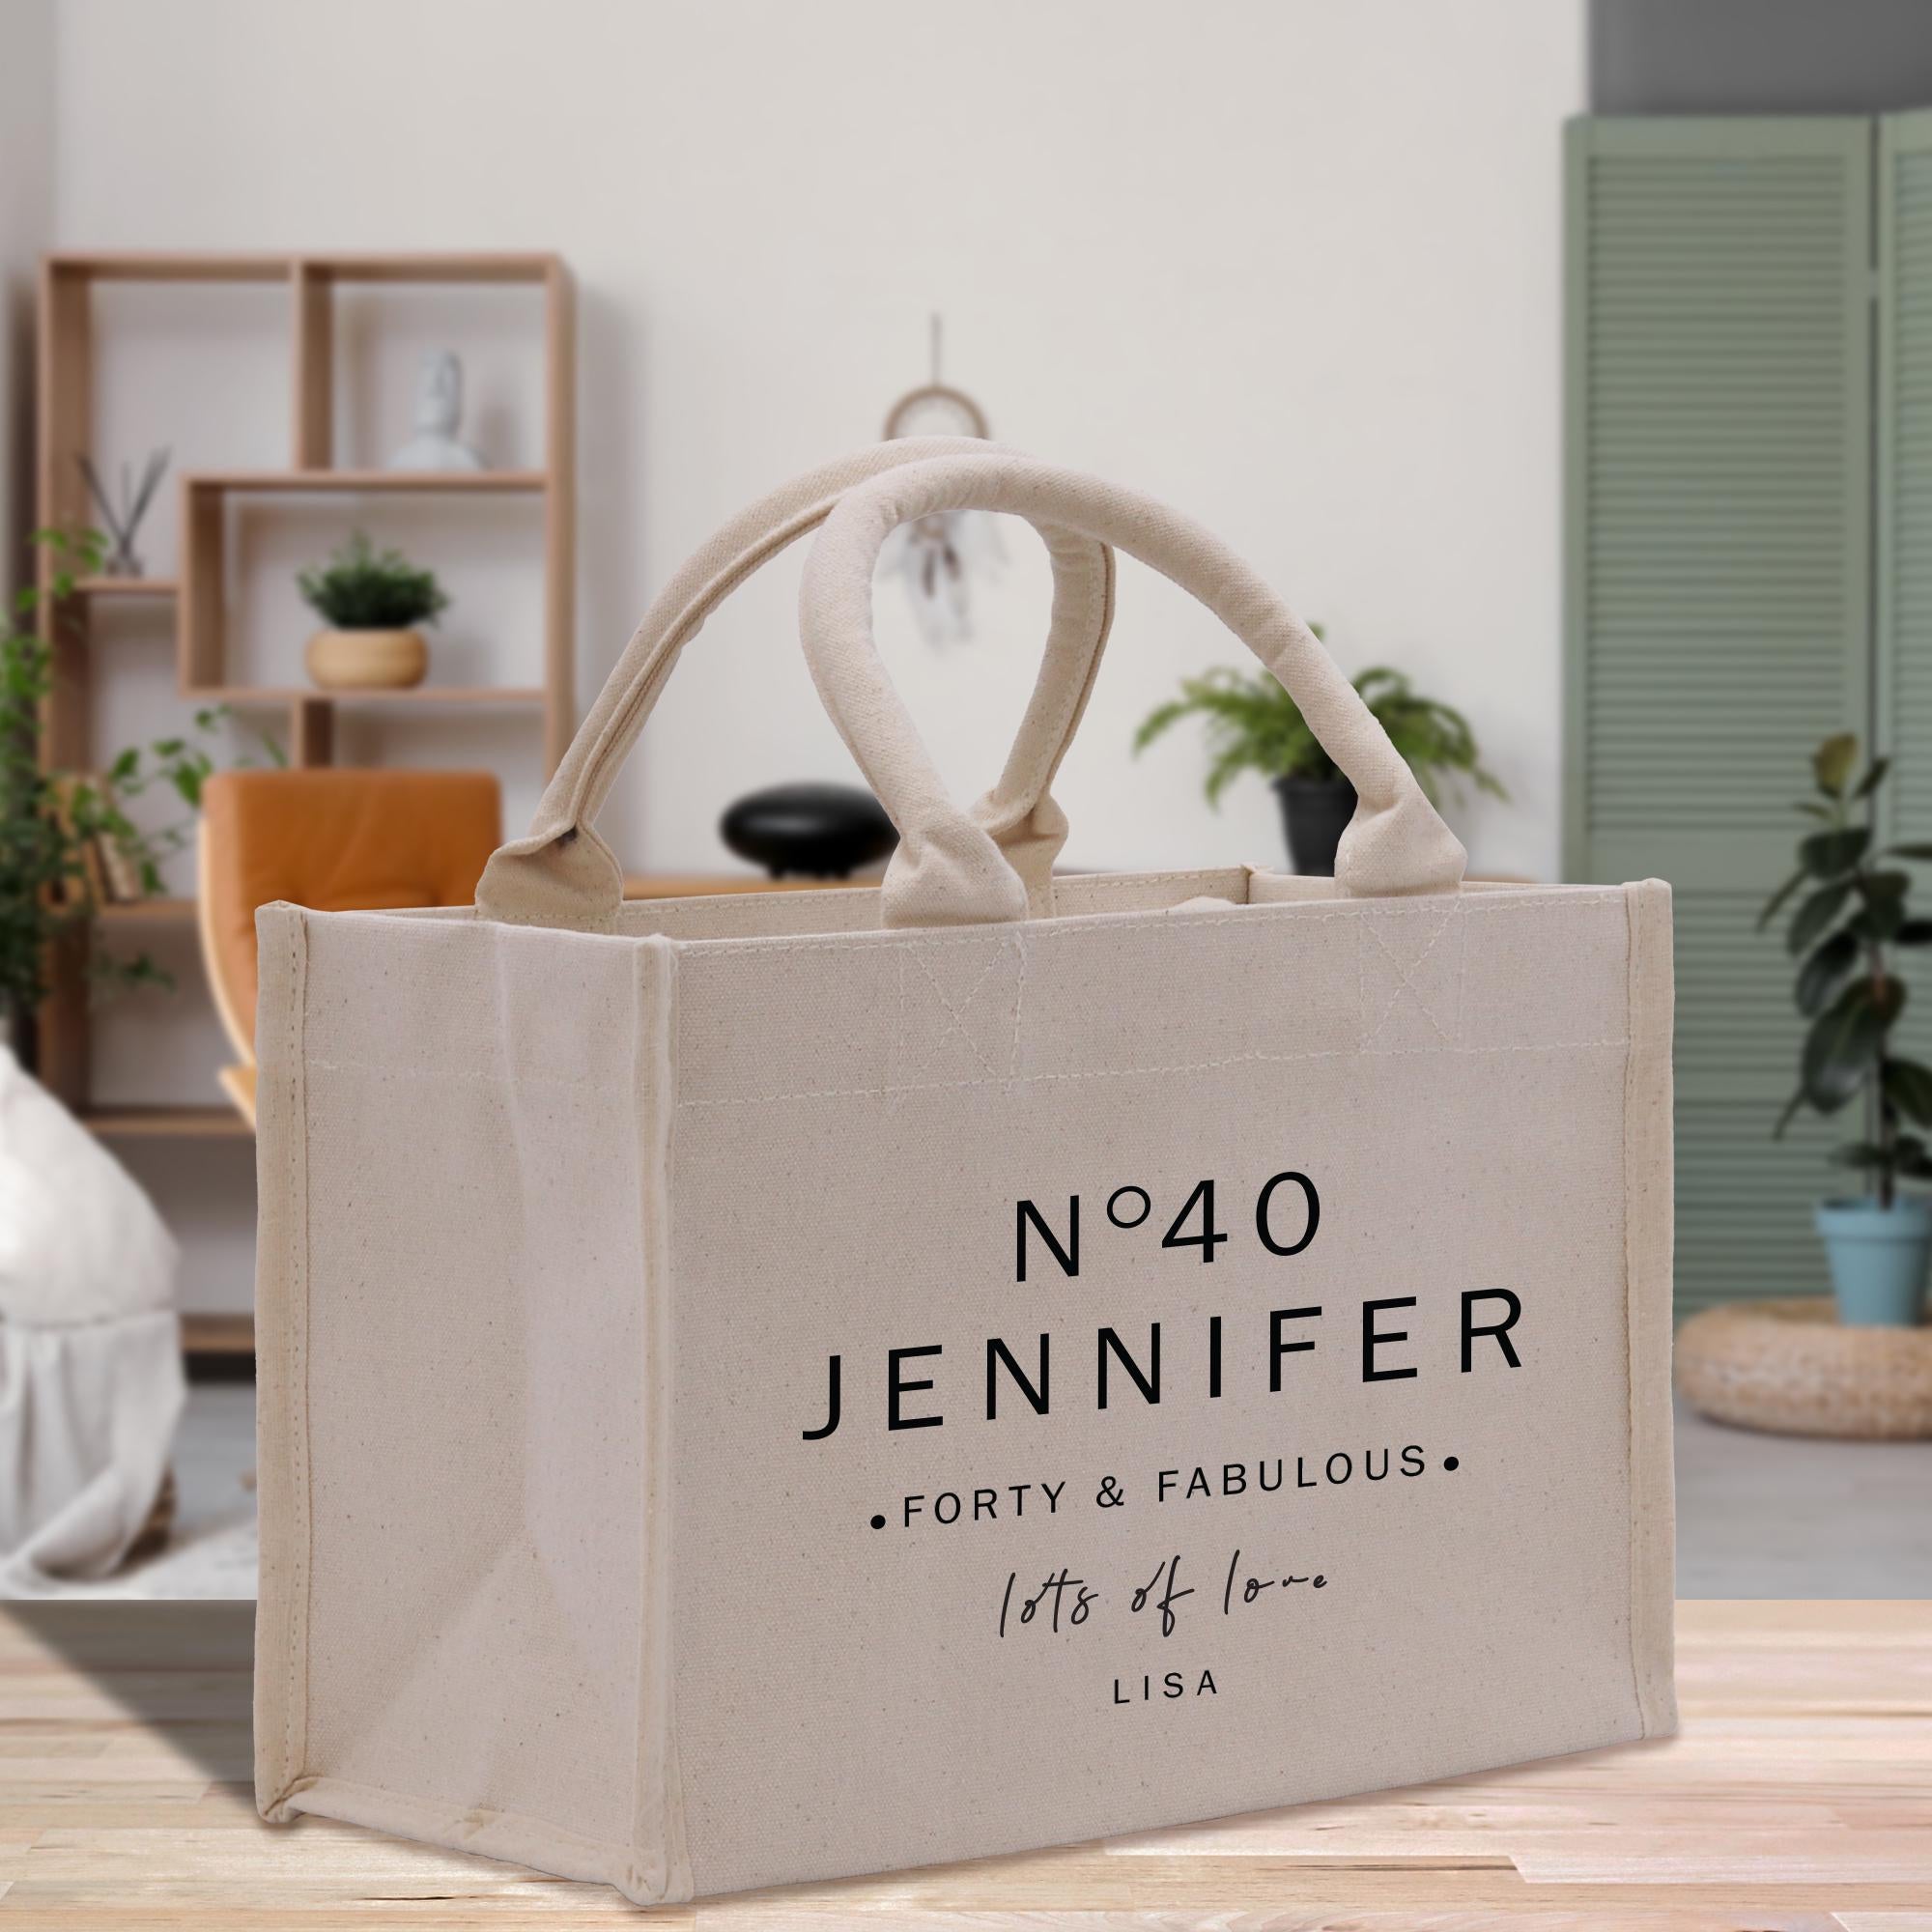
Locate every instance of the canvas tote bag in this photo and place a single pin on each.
(795, 1385)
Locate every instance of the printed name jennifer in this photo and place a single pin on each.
(1126, 1364)
(1142, 1367)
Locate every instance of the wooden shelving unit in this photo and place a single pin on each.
(66, 382)
(125, 587)
(218, 1334)
(148, 912)
(173, 1123)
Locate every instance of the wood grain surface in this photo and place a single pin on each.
(1798, 1799)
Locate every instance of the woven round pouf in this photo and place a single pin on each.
(1790, 1367)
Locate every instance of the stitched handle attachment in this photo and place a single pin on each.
(563, 873)
(948, 869)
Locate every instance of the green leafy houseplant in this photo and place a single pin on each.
(52, 824)
(361, 588)
(1839, 932)
(1254, 726)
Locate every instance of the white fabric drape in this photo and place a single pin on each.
(90, 1382)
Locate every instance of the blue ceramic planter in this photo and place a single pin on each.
(1878, 1258)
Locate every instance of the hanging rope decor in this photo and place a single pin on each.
(937, 556)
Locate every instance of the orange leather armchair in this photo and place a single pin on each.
(336, 840)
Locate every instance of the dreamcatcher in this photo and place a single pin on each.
(937, 556)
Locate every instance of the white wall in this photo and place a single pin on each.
(1291, 264)
(26, 224)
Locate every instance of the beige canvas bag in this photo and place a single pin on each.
(797, 1384)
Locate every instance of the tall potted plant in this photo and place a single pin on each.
(1840, 932)
(1254, 726)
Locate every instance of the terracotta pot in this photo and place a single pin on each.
(359, 659)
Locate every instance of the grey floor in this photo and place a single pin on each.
(1757, 1515)
(214, 1459)
(1787, 1516)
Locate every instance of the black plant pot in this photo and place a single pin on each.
(1316, 812)
(819, 830)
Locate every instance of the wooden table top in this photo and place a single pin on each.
(1797, 1799)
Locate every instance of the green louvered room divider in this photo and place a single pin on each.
(1748, 532)
(1903, 428)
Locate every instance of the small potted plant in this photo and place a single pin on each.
(1252, 724)
(1840, 932)
(371, 602)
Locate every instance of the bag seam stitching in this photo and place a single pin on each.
(1120, 882)
(1634, 911)
(1407, 982)
(956, 1015)
(1157, 918)
(303, 1475)
(1019, 1003)
(1128, 1072)
(618, 1853)
(526, 1077)
(668, 1863)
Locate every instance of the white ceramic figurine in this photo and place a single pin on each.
(435, 445)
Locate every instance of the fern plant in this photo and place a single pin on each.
(361, 588)
(1254, 726)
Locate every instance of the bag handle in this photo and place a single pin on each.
(563, 873)
(947, 870)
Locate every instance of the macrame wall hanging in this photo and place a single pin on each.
(938, 556)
